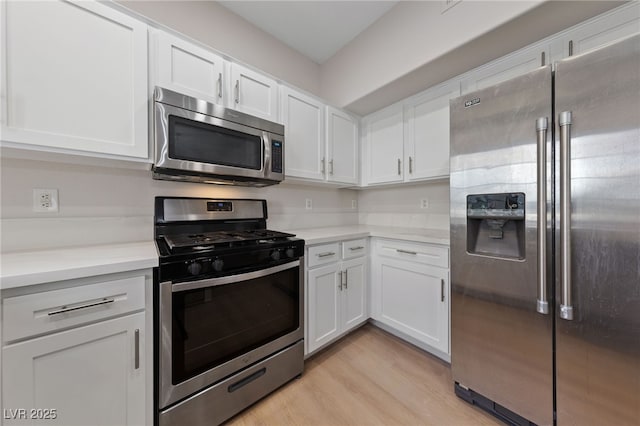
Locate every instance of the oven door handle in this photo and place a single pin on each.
(212, 282)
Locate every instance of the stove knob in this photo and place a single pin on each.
(275, 255)
(217, 264)
(194, 268)
(290, 252)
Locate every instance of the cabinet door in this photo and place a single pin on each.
(354, 309)
(189, 69)
(505, 68)
(427, 133)
(342, 147)
(323, 322)
(303, 119)
(75, 77)
(413, 299)
(384, 145)
(607, 28)
(87, 374)
(253, 93)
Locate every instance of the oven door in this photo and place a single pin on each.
(201, 144)
(212, 328)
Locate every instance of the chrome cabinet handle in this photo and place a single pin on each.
(570, 47)
(341, 280)
(331, 166)
(346, 279)
(136, 356)
(323, 168)
(406, 252)
(542, 305)
(326, 254)
(566, 308)
(64, 309)
(237, 91)
(442, 289)
(410, 165)
(220, 85)
(399, 171)
(356, 248)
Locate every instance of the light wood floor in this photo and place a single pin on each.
(368, 378)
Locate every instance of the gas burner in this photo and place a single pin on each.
(222, 239)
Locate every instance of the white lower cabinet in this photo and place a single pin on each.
(87, 375)
(80, 358)
(410, 291)
(336, 291)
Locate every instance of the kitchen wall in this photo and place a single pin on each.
(415, 45)
(405, 38)
(100, 205)
(401, 206)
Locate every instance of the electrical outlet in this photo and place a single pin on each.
(45, 200)
(308, 204)
(424, 203)
(354, 204)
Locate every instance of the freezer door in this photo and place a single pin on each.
(598, 324)
(501, 345)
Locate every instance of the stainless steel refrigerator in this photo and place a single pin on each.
(545, 242)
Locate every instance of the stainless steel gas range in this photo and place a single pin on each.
(229, 308)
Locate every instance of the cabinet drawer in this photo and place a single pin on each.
(426, 254)
(49, 311)
(354, 248)
(324, 253)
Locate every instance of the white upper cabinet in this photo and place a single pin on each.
(342, 147)
(74, 78)
(410, 141)
(189, 69)
(321, 142)
(609, 27)
(383, 136)
(303, 119)
(426, 133)
(505, 68)
(253, 93)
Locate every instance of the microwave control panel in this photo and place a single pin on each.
(276, 156)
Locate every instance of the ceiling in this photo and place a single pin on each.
(316, 29)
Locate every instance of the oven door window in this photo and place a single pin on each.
(205, 143)
(216, 324)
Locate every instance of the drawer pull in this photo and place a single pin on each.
(136, 357)
(64, 309)
(407, 252)
(356, 248)
(326, 254)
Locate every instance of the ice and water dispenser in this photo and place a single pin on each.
(496, 225)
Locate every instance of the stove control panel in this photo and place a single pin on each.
(231, 261)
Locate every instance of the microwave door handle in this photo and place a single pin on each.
(266, 152)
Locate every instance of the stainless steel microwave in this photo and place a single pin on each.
(198, 141)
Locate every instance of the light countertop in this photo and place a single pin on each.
(325, 235)
(18, 269)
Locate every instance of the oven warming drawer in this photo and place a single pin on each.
(219, 402)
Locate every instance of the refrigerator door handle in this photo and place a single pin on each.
(566, 308)
(541, 129)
